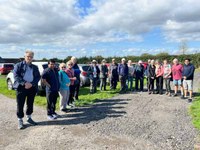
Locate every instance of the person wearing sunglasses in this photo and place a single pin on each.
(64, 87)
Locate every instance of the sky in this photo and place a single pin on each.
(61, 28)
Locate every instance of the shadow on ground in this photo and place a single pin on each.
(84, 115)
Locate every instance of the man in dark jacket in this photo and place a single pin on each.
(26, 76)
(114, 77)
(139, 75)
(123, 74)
(94, 76)
(51, 81)
(77, 73)
(188, 76)
(103, 75)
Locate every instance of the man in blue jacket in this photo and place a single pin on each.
(188, 76)
(26, 78)
(123, 74)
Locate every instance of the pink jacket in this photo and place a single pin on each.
(159, 70)
(177, 71)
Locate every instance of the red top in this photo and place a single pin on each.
(177, 71)
(70, 73)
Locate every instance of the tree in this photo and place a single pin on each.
(183, 47)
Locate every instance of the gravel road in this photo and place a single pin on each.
(135, 121)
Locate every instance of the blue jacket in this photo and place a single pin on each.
(188, 71)
(77, 71)
(19, 71)
(123, 70)
(64, 79)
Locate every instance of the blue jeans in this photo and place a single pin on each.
(129, 81)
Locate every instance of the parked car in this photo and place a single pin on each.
(5, 68)
(41, 67)
(84, 76)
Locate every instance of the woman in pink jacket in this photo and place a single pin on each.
(159, 78)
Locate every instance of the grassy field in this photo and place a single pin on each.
(84, 99)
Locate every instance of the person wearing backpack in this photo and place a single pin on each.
(64, 87)
(167, 76)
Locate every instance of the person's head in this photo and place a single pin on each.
(69, 64)
(103, 61)
(113, 60)
(152, 62)
(123, 60)
(74, 59)
(157, 62)
(149, 61)
(139, 62)
(62, 66)
(165, 62)
(129, 62)
(187, 61)
(175, 61)
(51, 63)
(94, 62)
(28, 56)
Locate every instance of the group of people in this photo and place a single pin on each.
(65, 81)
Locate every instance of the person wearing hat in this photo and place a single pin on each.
(114, 77)
(123, 74)
(139, 76)
(103, 75)
(94, 76)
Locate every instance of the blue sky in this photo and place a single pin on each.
(98, 27)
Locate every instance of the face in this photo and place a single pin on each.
(63, 68)
(187, 62)
(70, 65)
(28, 58)
(123, 61)
(165, 62)
(175, 62)
(51, 65)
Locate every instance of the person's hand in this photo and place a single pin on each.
(67, 84)
(28, 85)
(184, 77)
(74, 78)
(152, 77)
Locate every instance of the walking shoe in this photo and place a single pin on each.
(20, 124)
(64, 110)
(55, 115)
(50, 117)
(189, 100)
(174, 95)
(182, 97)
(69, 106)
(30, 121)
(166, 93)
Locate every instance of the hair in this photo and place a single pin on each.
(188, 59)
(29, 52)
(51, 61)
(129, 61)
(62, 64)
(69, 62)
(74, 59)
(152, 61)
(175, 59)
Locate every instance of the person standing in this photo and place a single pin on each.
(131, 71)
(159, 78)
(103, 75)
(188, 76)
(146, 73)
(77, 73)
(167, 76)
(64, 87)
(151, 76)
(139, 76)
(94, 76)
(114, 77)
(177, 70)
(70, 73)
(123, 74)
(50, 78)
(26, 78)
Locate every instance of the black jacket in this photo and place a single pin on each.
(152, 71)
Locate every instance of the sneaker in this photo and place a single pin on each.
(189, 100)
(20, 124)
(69, 106)
(174, 95)
(30, 121)
(64, 110)
(55, 115)
(166, 93)
(182, 97)
(50, 117)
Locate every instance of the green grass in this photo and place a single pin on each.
(195, 112)
(84, 99)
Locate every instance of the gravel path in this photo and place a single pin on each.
(133, 121)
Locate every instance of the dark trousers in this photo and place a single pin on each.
(71, 94)
(159, 84)
(113, 82)
(23, 95)
(167, 85)
(123, 83)
(141, 79)
(150, 84)
(103, 83)
(93, 85)
(51, 102)
(76, 90)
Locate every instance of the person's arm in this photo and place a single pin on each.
(17, 75)
(192, 69)
(44, 79)
(36, 76)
